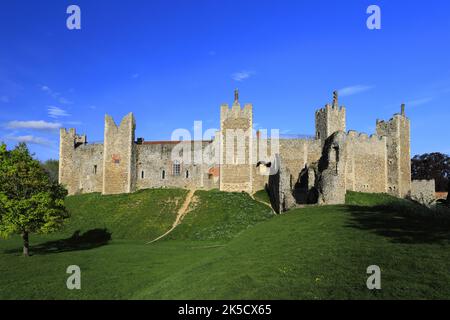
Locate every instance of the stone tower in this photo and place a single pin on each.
(68, 172)
(330, 119)
(236, 137)
(397, 132)
(119, 156)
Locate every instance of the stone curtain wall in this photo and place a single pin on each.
(155, 158)
(366, 167)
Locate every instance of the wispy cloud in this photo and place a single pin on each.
(4, 99)
(30, 139)
(352, 90)
(34, 125)
(55, 95)
(241, 76)
(212, 53)
(55, 112)
(418, 102)
(135, 75)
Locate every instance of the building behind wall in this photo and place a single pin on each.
(123, 164)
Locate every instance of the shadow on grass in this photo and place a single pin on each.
(89, 240)
(412, 224)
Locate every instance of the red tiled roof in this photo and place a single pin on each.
(171, 142)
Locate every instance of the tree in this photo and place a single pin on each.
(29, 201)
(52, 168)
(432, 166)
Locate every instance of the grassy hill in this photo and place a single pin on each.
(230, 246)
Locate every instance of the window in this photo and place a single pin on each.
(94, 171)
(176, 168)
(187, 174)
(163, 174)
(142, 174)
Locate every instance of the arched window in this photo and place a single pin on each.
(94, 171)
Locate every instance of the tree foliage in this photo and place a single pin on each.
(432, 166)
(30, 202)
(51, 166)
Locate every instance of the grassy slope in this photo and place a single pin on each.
(316, 252)
(219, 216)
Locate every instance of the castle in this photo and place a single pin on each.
(318, 169)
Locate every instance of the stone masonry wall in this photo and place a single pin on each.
(423, 191)
(366, 167)
(119, 156)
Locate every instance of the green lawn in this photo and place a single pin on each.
(231, 247)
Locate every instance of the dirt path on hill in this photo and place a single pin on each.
(263, 202)
(181, 214)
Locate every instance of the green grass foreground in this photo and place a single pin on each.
(232, 247)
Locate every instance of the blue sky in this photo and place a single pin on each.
(174, 62)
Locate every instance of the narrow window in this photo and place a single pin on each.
(176, 168)
(163, 174)
(142, 174)
(95, 169)
(187, 174)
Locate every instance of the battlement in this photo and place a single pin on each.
(330, 109)
(71, 138)
(235, 111)
(364, 137)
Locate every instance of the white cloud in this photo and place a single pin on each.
(241, 76)
(55, 112)
(135, 76)
(55, 95)
(63, 100)
(73, 123)
(352, 90)
(34, 125)
(418, 102)
(29, 139)
(4, 99)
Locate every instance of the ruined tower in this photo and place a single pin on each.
(330, 119)
(119, 160)
(68, 172)
(236, 137)
(397, 132)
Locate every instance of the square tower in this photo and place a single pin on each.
(330, 119)
(236, 145)
(397, 132)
